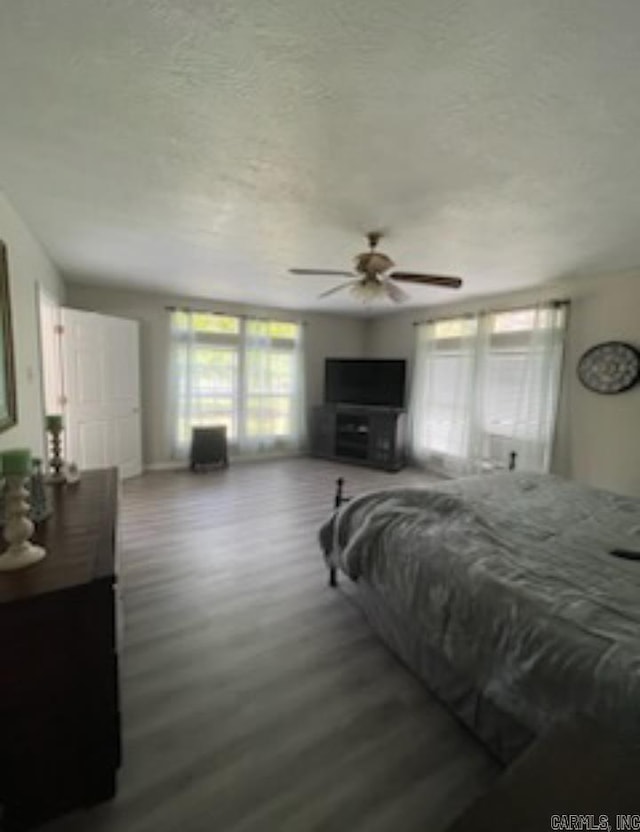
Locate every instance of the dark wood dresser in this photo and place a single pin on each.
(59, 710)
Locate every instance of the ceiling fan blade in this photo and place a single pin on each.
(321, 272)
(428, 279)
(336, 289)
(394, 292)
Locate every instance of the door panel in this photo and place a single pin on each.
(122, 382)
(93, 444)
(102, 387)
(90, 381)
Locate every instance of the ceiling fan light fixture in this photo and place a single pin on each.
(367, 291)
(373, 262)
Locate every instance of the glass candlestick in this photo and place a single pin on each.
(56, 462)
(38, 497)
(18, 528)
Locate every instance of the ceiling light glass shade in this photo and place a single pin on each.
(367, 292)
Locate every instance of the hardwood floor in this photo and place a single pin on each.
(255, 698)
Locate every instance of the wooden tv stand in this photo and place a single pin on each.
(373, 436)
(59, 709)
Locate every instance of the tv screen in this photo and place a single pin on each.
(375, 383)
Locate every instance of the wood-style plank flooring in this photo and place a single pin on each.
(254, 697)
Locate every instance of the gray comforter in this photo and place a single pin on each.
(511, 579)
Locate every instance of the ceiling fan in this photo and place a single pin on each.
(372, 279)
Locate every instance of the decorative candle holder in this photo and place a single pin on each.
(18, 528)
(56, 462)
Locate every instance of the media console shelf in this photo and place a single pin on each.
(372, 436)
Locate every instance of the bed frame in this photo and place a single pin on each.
(338, 500)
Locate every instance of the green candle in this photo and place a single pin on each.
(16, 462)
(54, 422)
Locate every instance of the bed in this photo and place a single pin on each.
(502, 593)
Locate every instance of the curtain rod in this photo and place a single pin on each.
(556, 304)
(243, 316)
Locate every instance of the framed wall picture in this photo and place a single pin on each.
(8, 409)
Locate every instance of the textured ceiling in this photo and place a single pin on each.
(204, 147)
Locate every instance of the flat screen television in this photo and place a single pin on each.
(367, 382)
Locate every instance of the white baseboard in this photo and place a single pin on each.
(166, 466)
(183, 465)
(266, 457)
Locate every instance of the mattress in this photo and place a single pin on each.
(510, 579)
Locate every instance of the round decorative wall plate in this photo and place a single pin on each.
(612, 367)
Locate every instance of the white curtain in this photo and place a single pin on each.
(519, 386)
(441, 410)
(203, 376)
(273, 400)
(487, 386)
(180, 410)
(246, 374)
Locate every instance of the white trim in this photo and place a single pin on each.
(267, 457)
(178, 465)
(166, 466)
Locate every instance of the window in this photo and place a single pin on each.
(521, 378)
(487, 385)
(245, 374)
(445, 393)
(272, 385)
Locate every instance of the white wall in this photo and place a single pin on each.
(602, 433)
(325, 336)
(598, 437)
(28, 267)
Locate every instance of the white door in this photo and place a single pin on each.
(101, 375)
